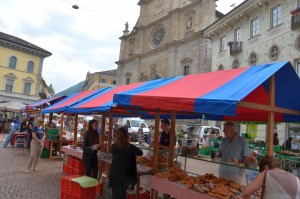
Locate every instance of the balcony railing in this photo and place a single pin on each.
(235, 48)
(295, 21)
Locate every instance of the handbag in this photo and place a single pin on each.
(263, 185)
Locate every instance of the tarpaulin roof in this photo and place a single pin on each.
(219, 94)
(42, 103)
(12, 106)
(62, 105)
(102, 101)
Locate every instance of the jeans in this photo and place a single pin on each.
(119, 189)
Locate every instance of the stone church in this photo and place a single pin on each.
(167, 40)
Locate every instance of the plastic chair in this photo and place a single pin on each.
(20, 143)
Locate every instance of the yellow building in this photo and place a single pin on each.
(98, 80)
(21, 65)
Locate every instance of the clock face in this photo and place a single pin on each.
(158, 36)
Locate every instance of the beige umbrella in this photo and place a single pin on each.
(11, 106)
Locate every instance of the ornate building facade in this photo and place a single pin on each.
(21, 65)
(98, 80)
(166, 40)
(258, 32)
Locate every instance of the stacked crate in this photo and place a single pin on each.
(73, 190)
(52, 134)
(74, 166)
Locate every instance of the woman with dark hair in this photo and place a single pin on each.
(275, 139)
(274, 182)
(90, 147)
(123, 172)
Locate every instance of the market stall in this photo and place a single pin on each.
(261, 93)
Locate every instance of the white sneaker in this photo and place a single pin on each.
(27, 171)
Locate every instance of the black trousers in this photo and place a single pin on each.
(90, 165)
(119, 189)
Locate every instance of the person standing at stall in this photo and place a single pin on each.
(274, 182)
(37, 145)
(123, 171)
(23, 127)
(233, 148)
(90, 148)
(29, 132)
(275, 139)
(164, 139)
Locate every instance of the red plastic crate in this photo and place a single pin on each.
(99, 189)
(70, 161)
(78, 164)
(71, 171)
(65, 182)
(82, 193)
(69, 195)
(65, 168)
(78, 172)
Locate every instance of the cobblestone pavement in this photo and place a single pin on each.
(15, 184)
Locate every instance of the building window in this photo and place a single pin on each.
(186, 70)
(252, 59)
(274, 52)
(220, 67)
(30, 66)
(275, 16)
(235, 63)
(9, 85)
(222, 44)
(254, 27)
(103, 81)
(237, 35)
(12, 62)
(27, 87)
(114, 82)
(131, 45)
(128, 81)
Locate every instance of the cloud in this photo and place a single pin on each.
(80, 40)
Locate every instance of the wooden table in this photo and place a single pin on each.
(49, 145)
(75, 152)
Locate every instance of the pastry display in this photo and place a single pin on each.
(162, 161)
(220, 188)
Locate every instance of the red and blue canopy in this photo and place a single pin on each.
(102, 101)
(41, 104)
(62, 105)
(218, 94)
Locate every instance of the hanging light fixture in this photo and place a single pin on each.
(75, 6)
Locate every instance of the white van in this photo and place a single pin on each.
(134, 125)
(196, 134)
(202, 135)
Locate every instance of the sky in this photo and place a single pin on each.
(80, 40)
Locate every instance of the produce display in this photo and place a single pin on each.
(209, 184)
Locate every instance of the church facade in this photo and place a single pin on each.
(167, 40)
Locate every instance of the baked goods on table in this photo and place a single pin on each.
(209, 184)
(162, 161)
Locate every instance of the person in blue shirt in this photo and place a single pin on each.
(37, 145)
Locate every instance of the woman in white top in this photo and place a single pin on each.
(274, 182)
